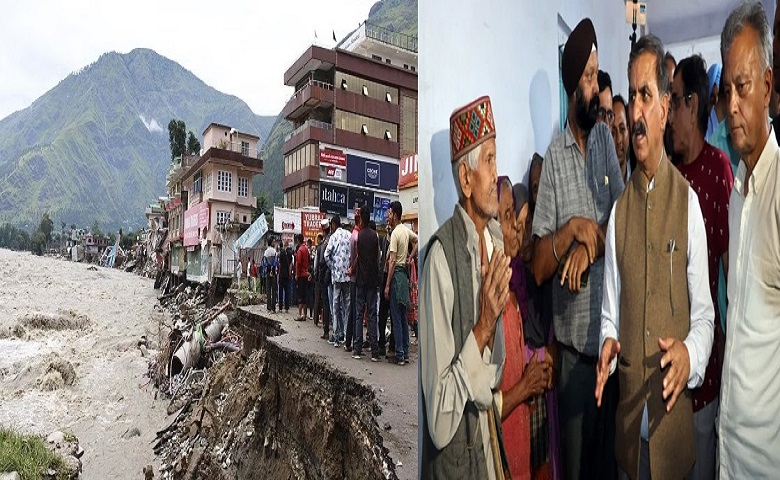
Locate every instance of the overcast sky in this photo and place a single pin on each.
(239, 47)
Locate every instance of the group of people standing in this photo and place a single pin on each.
(577, 331)
(351, 281)
(287, 276)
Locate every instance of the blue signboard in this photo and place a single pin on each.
(381, 206)
(372, 173)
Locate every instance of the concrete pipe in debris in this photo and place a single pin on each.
(189, 352)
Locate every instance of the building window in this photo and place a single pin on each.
(222, 217)
(224, 181)
(387, 61)
(365, 90)
(243, 187)
(207, 183)
(376, 57)
(197, 184)
(245, 149)
(376, 90)
(365, 125)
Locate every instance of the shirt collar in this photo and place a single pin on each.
(768, 156)
(568, 136)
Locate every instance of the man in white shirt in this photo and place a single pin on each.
(656, 310)
(750, 391)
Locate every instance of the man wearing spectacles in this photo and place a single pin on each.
(709, 172)
(606, 114)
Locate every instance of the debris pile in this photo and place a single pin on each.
(279, 412)
(198, 339)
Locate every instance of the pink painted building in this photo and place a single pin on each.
(220, 200)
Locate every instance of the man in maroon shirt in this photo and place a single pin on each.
(709, 173)
(302, 276)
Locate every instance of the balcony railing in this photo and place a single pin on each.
(237, 147)
(316, 83)
(399, 40)
(307, 124)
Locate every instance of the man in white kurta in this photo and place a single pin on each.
(473, 377)
(463, 289)
(750, 396)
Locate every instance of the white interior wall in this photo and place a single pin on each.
(508, 50)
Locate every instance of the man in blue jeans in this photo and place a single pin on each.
(403, 246)
(337, 255)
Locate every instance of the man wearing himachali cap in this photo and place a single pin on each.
(580, 181)
(463, 289)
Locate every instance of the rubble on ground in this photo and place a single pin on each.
(276, 411)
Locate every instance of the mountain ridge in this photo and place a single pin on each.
(95, 146)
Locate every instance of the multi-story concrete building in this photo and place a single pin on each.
(219, 200)
(175, 208)
(354, 113)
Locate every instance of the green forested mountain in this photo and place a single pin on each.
(396, 15)
(95, 147)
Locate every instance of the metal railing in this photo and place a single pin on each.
(237, 147)
(307, 124)
(316, 83)
(400, 40)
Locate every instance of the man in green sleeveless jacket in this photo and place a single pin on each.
(657, 311)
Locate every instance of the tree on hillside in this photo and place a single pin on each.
(177, 136)
(38, 243)
(262, 205)
(96, 229)
(128, 240)
(193, 145)
(46, 227)
(14, 238)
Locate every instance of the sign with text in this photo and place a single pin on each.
(335, 158)
(335, 174)
(407, 171)
(372, 173)
(195, 220)
(287, 220)
(409, 198)
(310, 224)
(381, 206)
(333, 199)
(358, 198)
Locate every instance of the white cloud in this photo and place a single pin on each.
(151, 124)
(241, 47)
